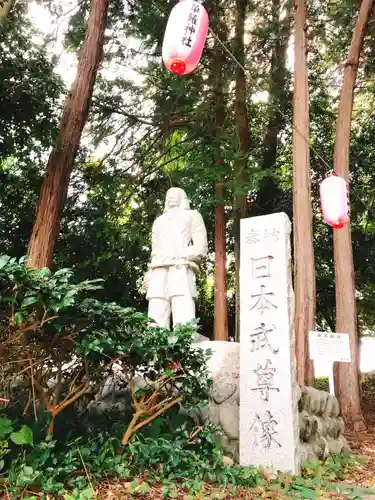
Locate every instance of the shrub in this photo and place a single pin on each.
(58, 345)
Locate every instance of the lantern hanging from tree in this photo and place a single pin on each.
(184, 37)
(335, 201)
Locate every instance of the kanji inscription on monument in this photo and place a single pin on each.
(269, 432)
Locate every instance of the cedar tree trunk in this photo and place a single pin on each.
(347, 374)
(242, 124)
(220, 286)
(60, 164)
(304, 271)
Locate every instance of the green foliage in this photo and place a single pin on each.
(175, 455)
(51, 330)
(59, 345)
(22, 437)
(29, 90)
(322, 384)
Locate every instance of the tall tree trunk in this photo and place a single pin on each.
(269, 191)
(347, 374)
(304, 270)
(221, 301)
(5, 7)
(60, 164)
(221, 285)
(242, 124)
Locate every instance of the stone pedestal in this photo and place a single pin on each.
(269, 423)
(321, 427)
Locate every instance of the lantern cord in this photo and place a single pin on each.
(287, 119)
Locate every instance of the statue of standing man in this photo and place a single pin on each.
(179, 243)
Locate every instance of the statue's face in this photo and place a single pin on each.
(173, 198)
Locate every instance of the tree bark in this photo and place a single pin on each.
(221, 285)
(220, 297)
(347, 374)
(60, 164)
(5, 7)
(242, 125)
(304, 270)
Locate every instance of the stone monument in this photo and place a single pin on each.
(179, 242)
(269, 421)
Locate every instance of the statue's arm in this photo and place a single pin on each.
(199, 249)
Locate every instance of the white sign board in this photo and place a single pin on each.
(328, 346)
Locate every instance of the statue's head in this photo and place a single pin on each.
(176, 197)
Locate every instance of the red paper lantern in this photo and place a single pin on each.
(184, 37)
(334, 200)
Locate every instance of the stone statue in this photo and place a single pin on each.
(179, 242)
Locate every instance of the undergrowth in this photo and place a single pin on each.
(171, 452)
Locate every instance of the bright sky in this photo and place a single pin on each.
(44, 22)
(67, 61)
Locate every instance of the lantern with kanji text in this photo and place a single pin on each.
(184, 37)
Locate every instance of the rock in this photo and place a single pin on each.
(238, 396)
(314, 425)
(114, 396)
(306, 452)
(223, 410)
(325, 449)
(335, 412)
(229, 418)
(224, 367)
(345, 446)
(314, 398)
(222, 392)
(303, 454)
(320, 448)
(332, 407)
(304, 426)
(210, 413)
(227, 461)
(201, 338)
(342, 425)
(329, 426)
(304, 402)
(231, 447)
(298, 393)
(318, 425)
(337, 427)
(334, 446)
(323, 396)
(318, 400)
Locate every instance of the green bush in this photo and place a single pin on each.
(322, 384)
(51, 329)
(58, 346)
(168, 451)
